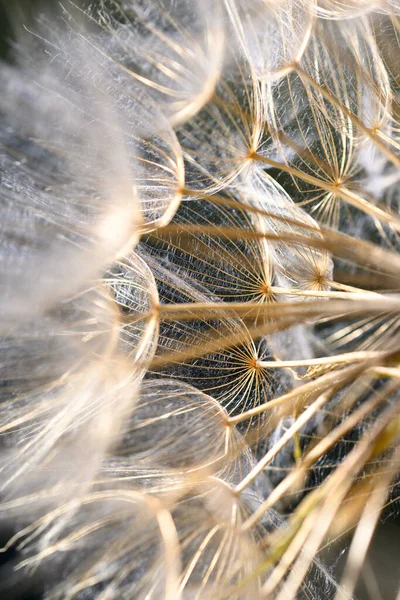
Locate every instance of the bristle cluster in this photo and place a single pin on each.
(200, 309)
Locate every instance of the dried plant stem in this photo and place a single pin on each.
(322, 447)
(365, 529)
(305, 390)
(340, 244)
(323, 502)
(248, 208)
(291, 313)
(206, 310)
(288, 435)
(329, 496)
(326, 360)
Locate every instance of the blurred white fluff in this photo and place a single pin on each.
(173, 49)
(272, 34)
(120, 542)
(66, 197)
(67, 392)
(151, 149)
(98, 164)
(338, 9)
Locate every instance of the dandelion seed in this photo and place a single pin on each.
(272, 35)
(174, 49)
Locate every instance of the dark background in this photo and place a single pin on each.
(14, 14)
(381, 575)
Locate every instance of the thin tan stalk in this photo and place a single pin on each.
(335, 189)
(372, 135)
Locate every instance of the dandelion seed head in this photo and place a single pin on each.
(199, 299)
